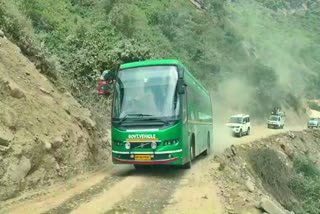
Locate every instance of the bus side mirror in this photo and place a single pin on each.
(181, 86)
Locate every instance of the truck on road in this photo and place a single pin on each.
(276, 120)
(314, 123)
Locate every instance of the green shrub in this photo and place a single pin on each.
(19, 28)
(273, 172)
(297, 189)
(306, 186)
(306, 167)
(314, 106)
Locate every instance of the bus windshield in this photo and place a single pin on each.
(148, 90)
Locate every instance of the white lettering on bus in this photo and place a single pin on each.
(139, 136)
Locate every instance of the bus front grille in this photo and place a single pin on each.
(146, 145)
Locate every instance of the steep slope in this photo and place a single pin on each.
(45, 136)
(280, 172)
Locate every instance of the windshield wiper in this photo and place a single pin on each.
(158, 119)
(149, 118)
(133, 115)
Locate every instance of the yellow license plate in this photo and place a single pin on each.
(142, 157)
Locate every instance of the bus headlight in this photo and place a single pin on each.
(154, 145)
(171, 142)
(118, 143)
(127, 145)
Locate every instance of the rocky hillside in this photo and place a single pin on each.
(45, 136)
(279, 174)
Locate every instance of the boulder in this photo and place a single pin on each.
(8, 117)
(291, 135)
(5, 137)
(270, 207)
(86, 122)
(43, 90)
(15, 91)
(57, 142)
(17, 171)
(250, 185)
(47, 146)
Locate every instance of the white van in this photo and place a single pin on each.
(240, 124)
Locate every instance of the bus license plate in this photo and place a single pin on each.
(142, 157)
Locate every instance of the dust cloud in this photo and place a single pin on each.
(271, 72)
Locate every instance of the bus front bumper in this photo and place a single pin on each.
(150, 162)
(168, 158)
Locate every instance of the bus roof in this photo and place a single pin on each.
(150, 63)
(161, 62)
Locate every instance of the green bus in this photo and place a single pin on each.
(160, 115)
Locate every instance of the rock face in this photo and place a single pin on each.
(5, 137)
(1, 34)
(289, 152)
(270, 207)
(41, 140)
(8, 117)
(19, 171)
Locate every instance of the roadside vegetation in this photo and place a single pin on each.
(314, 105)
(265, 50)
(296, 188)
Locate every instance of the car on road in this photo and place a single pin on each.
(239, 124)
(276, 121)
(314, 123)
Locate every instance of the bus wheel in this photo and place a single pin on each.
(207, 152)
(188, 165)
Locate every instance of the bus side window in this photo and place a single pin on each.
(185, 106)
(190, 103)
(195, 107)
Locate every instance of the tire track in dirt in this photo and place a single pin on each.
(40, 202)
(98, 197)
(63, 198)
(197, 191)
(173, 190)
(106, 200)
(83, 197)
(153, 195)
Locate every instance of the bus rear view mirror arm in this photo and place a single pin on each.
(181, 87)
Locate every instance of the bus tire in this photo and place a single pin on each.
(189, 164)
(207, 151)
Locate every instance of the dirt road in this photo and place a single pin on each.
(125, 190)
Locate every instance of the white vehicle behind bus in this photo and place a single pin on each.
(239, 124)
(276, 121)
